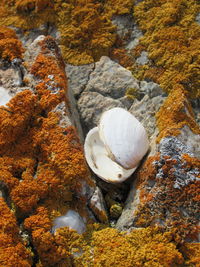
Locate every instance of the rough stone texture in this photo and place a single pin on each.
(171, 177)
(151, 89)
(97, 205)
(145, 110)
(105, 89)
(143, 58)
(198, 18)
(191, 140)
(128, 30)
(92, 104)
(110, 79)
(196, 108)
(78, 77)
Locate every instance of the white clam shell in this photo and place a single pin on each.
(99, 161)
(114, 149)
(124, 137)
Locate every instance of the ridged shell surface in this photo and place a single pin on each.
(124, 137)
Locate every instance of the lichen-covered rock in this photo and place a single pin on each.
(42, 164)
(42, 167)
(166, 188)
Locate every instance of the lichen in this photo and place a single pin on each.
(12, 249)
(86, 31)
(175, 112)
(171, 38)
(161, 180)
(41, 162)
(10, 46)
(131, 93)
(140, 247)
(192, 254)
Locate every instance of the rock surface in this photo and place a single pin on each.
(105, 89)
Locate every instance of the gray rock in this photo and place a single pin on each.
(78, 77)
(105, 89)
(92, 104)
(196, 109)
(142, 59)
(97, 205)
(110, 79)
(151, 89)
(128, 30)
(191, 140)
(145, 111)
(197, 19)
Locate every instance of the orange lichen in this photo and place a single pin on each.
(10, 46)
(171, 38)
(12, 249)
(121, 56)
(41, 162)
(27, 194)
(16, 117)
(175, 113)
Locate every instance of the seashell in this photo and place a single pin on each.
(71, 219)
(114, 149)
(4, 96)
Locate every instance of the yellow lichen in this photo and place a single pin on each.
(86, 34)
(171, 38)
(86, 31)
(175, 113)
(140, 247)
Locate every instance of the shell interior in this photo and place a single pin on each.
(99, 161)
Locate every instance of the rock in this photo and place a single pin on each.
(197, 19)
(105, 89)
(110, 79)
(4, 96)
(127, 30)
(78, 77)
(92, 104)
(97, 205)
(151, 89)
(145, 111)
(142, 59)
(191, 140)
